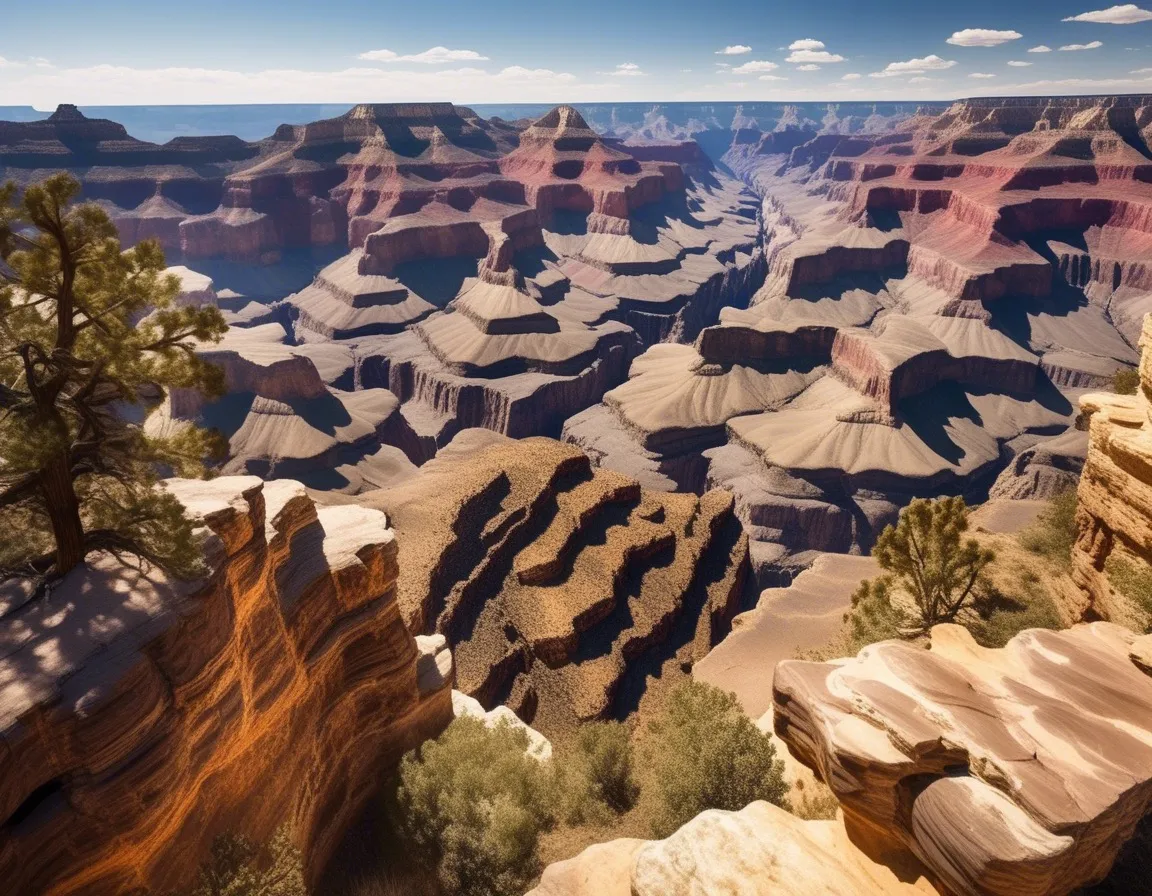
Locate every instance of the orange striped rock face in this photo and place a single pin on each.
(142, 717)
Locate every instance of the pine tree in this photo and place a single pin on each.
(928, 559)
(87, 333)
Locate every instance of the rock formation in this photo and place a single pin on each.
(594, 252)
(142, 717)
(561, 590)
(495, 275)
(1019, 770)
(147, 189)
(1112, 558)
(759, 851)
(926, 320)
(293, 411)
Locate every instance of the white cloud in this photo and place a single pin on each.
(734, 50)
(808, 68)
(1016, 63)
(772, 78)
(625, 70)
(1128, 14)
(1142, 71)
(814, 56)
(114, 85)
(984, 75)
(932, 63)
(920, 79)
(852, 76)
(982, 37)
(756, 65)
(8, 63)
(431, 56)
(806, 43)
(1040, 49)
(1078, 86)
(1095, 45)
(685, 70)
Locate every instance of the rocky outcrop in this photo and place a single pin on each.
(1112, 558)
(759, 851)
(141, 717)
(282, 417)
(566, 594)
(1019, 770)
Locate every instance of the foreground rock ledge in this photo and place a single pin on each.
(1022, 770)
(139, 717)
(761, 850)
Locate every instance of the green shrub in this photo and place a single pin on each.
(1133, 579)
(1126, 381)
(999, 617)
(873, 616)
(814, 801)
(600, 778)
(471, 806)
(1054, 532)
(703, 752)
(236, 867)
(927, 558)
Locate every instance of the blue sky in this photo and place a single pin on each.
(212, 51)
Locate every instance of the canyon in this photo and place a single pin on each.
(560, 410)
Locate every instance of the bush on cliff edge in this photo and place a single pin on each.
(702, 753)
(472, 805)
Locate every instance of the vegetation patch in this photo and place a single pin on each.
(705, 753)
(237, 867)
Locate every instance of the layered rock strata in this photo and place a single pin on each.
(1018, 770)
(566, 593)
(142, 717)
(1112, 557)
(611, 252)
(499, 275)
(149, 190)
(926, 320)
(294, 411)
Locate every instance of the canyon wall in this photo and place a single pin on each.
(963, 771)
(140, 717)
(1112, 557)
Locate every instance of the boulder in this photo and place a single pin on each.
(1010, 771)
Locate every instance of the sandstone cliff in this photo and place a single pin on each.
(1112, 558)
(140, 717)
(761, 850)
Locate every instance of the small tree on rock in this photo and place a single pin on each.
(926, 558)
(85, 328)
